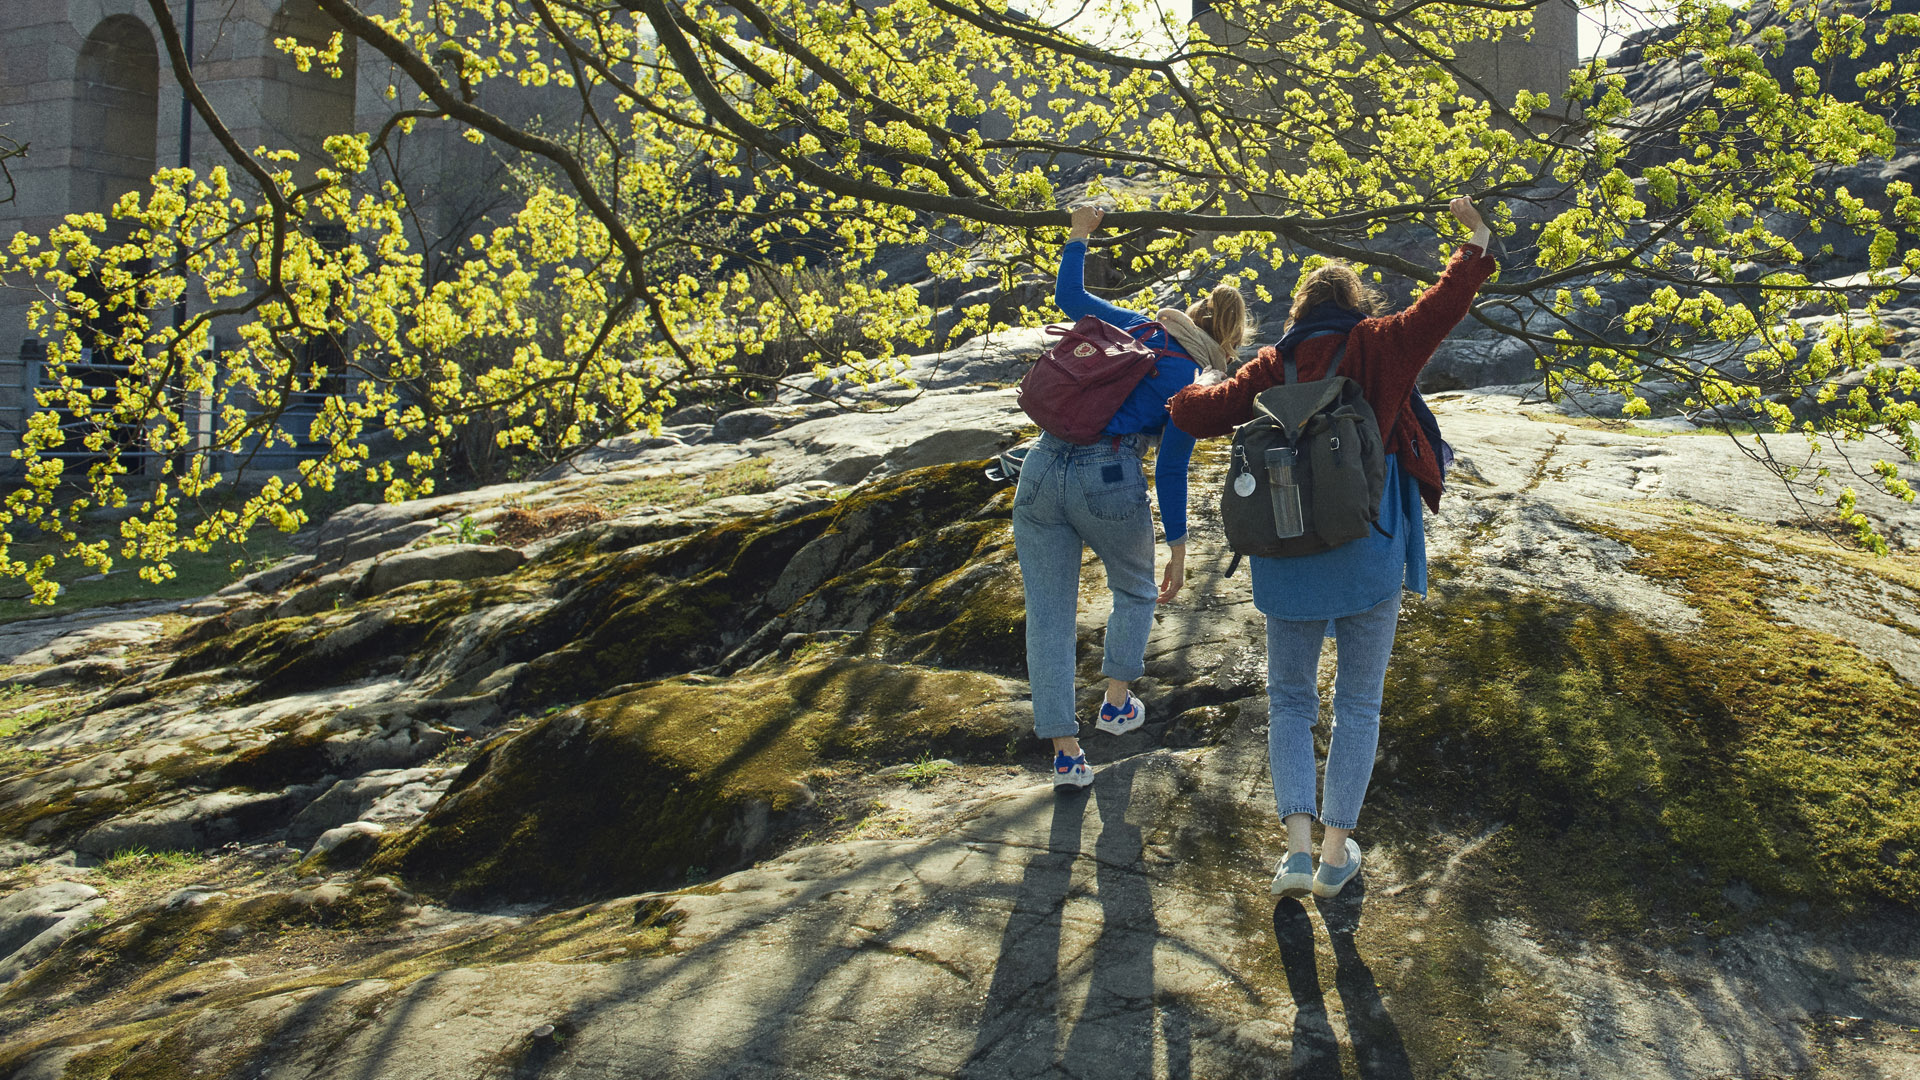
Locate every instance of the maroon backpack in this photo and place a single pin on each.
(1076, 387)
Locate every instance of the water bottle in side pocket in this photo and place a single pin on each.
(1288, 521)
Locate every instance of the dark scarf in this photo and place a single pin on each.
(1319, 319)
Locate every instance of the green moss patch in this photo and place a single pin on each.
(308, 652)
(630, 792)
(154, 952)
(1645, 772)
(691, 602)
(160, 956)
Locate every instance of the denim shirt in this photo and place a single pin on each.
(1357, 575)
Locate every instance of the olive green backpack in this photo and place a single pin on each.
(1307, 472)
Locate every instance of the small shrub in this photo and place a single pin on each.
(926, 770)
(469, 531)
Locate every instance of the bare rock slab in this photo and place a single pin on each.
(33, 922)
(447, 562)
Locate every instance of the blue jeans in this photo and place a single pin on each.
(1365, 642)
(1071, 496)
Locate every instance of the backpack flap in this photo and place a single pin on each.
(1291, 405)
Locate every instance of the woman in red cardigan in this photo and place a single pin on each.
(1354, 588)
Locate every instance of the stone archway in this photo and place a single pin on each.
(300, 109)
(116, 114)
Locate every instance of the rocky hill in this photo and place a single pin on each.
(709, 755)
(721, 767)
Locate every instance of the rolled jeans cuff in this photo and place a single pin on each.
(1292, 810)
(1347, 825)
(1125, 674)
(1068, 730)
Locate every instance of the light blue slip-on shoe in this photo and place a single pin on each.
(1295, 876)
(1329, 880)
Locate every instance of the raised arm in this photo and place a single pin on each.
(1412, 335)
(1207, 411)
(1069, 288)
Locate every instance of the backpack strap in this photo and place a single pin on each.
(1291, 373)
(1338, 355)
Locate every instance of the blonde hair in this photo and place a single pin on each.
(1334, 282)
(1223, 315)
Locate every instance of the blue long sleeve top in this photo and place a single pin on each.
(1145, 410)
(1358, 574)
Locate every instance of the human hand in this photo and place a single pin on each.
(1482, 236)
(1176, 574)
(1085, 220)
(1464, 210)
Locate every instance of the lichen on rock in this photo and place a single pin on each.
(628, 792)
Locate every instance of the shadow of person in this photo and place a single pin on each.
(1124, 1010)
(1316, 1053)
(1020, 1020)
(1378, 1051)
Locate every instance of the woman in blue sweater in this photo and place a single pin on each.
(1096, 495)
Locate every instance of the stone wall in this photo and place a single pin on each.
(1504, 68)
(87, 86)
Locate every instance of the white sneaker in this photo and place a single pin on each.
(1071, 771)
(1329, 880)
(1119, 721)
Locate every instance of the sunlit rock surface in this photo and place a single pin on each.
(732, 776)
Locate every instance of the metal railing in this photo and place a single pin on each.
(198, 416)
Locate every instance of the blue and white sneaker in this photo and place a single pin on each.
(1329, 880)
(1119, 721)
(1295, 876)
(1071, 771)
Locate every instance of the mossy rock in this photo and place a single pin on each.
(1645, 772)
(302, 653)
(973, 617)
(653, 612)
(687, 604)
(629, 793)
(148, 952)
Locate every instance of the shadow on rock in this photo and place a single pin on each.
(1121, 1019)
(1316, 1052)
(1117, 1026)
(1378, 1050)
(1020, 1021)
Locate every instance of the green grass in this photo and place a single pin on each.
(23, 720)
(195, 574)
(137, 862)
(749, 477)
(925, 771)
(670, 491)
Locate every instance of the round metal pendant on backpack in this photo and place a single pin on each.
(1244, 484)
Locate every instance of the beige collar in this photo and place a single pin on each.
(1197, 342)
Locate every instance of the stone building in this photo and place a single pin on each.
(88, 87)
(1538, 63)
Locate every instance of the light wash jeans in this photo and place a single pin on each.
(1365, 642)
(1069, 496)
